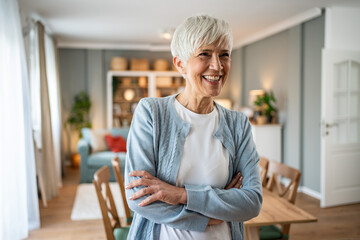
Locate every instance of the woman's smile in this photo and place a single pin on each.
(212, 79)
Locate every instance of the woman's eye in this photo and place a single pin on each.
(225, 55)
(204, 54)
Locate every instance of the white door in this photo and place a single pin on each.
(340, 141)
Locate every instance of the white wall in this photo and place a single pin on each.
(342, 28)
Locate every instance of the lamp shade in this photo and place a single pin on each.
(253, 94)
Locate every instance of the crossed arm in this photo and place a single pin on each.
(157, 190)
(193, 207)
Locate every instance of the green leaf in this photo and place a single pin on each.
(79, 113)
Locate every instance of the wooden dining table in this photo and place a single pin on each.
(275, 210)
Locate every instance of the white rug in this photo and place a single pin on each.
(86, 205)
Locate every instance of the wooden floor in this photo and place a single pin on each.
(333, 223)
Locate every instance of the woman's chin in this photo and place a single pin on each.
(213, 90)
(213, 93)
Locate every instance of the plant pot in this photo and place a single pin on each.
(256, 114)
(269, 119)
(261, 119)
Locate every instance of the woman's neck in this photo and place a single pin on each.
(200, 105)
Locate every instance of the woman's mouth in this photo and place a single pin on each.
(212, 79)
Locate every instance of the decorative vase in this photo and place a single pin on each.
(75, 160)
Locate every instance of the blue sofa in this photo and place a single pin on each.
(91, 162)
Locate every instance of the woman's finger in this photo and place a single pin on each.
(140, 193)
(138, 182)
(234, 181)
(148, 200)
(238, 185)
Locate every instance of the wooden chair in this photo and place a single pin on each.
(278, 173)
(264, 165)
(119, 178)
(113, 228)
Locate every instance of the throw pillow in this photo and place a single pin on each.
(98, 142)
(116, 143)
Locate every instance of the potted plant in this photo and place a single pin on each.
(78, 119)
(79, 114)
(265, 104)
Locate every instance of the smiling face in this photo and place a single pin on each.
(206, 70)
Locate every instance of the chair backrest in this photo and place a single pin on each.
(119, 178)
(277, 172)
(106, 201)
(264, 166)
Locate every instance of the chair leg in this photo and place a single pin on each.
(285, 231)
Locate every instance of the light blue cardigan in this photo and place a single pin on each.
(155, 144)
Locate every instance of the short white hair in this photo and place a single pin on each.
(199, 31)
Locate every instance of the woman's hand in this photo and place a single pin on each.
(236, 182)
(157, 189)
(214, 221)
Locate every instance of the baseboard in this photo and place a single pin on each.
(310, 192)
(303, 189)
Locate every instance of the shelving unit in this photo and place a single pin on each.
(126, 88)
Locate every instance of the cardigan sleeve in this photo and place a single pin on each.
(236, 205)
(142, 156)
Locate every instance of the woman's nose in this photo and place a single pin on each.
(216, 63)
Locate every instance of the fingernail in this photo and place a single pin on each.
(239, 173)
(241, 178)
(127, 187)
(131, 197)
(241, 186)
(141, 204)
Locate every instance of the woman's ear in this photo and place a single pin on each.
(179, 64)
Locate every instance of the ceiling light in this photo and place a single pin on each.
(167, 33)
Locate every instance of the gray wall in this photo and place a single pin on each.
(274, 64)
(96, 87)
(233, 87)
(313, 42)
(73, 75)
(289, 63)
(72, 71)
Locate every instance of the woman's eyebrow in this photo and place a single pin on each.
(211, 50)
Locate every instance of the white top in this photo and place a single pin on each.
(204, 162)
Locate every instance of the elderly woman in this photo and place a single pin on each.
(191, 168)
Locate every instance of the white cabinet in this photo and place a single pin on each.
(268, 140)
(126, 88)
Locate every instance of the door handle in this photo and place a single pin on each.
(330, 125)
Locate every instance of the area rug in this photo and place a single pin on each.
(86, 205)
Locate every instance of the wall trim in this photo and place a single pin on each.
(303, 189)
(281, 26)
(91, 45)
(310, 192)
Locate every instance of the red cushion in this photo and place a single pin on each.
(116, 144)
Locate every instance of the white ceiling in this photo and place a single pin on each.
(139, 22)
